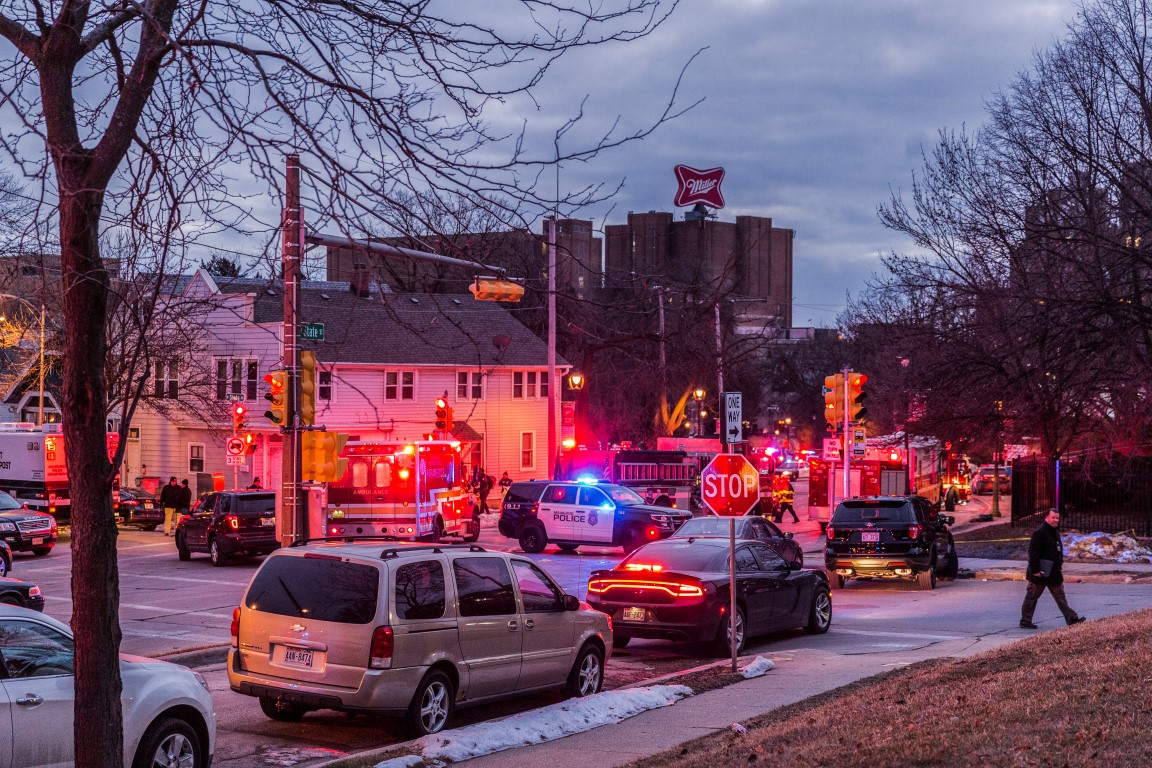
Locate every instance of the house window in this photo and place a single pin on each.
(527, 450)
(469, 385)
(236, 377)
(166, 377)
(400, 385)
(529, 384)
(324, 386)
(195, 457)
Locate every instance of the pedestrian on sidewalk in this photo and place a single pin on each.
(169, 501)
(1045, 571)
(485, 487)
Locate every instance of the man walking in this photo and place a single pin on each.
(1045, 570)
(169, 501)
(486, 482)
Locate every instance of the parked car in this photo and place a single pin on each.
(138, 507)
(890, 537)
(24, 530)
(750, 527)
(570, 514)
(22, 593)
(229, 524)
(678, 589)
(408, 630)
(982, 482)
(168, 714)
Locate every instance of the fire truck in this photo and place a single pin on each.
(407, 490)
(33, 470)
(663, 478)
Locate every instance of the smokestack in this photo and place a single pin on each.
(360, 284)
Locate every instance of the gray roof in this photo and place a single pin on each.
(402, 329)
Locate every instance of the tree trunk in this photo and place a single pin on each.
(98, 730)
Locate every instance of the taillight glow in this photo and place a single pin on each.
(404, 474)
(831, 532)
(233, 522)
(913, 531)
(653, 533)
(673, 588)
(382, 644)
(234, 629)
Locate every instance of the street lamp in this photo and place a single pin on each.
(698, 396)
(28, 304)
(575, 383)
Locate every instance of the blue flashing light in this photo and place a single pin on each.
(587, 480)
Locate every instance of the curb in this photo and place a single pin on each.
(198, 657)
(1017, 574)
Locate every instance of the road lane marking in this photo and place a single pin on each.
(909, 635)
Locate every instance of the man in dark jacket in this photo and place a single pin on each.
(1045, 561)
(169, 502)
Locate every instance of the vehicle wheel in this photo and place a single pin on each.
(820, 615)
(569, 548)
(5, 565)
(11, 600)
(927, 579)
(951, 565)
(182, 550)
(281, 711)
(533, 539)
(216, 554)
(722, 645)
(587, 675)
(437, 531)
(475, 534)
(169, 742)
(620, 641)
(835, 580)
(431, 705)
(41, 551)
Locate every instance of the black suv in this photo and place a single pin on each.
(890, 537)
(227, 524)
(570, 514)
(25, 530)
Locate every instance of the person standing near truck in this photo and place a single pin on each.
(169, 502)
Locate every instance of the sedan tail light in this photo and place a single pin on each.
(602, 586)
(380, 657)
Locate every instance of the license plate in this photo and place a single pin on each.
(633, 614)
(870, 536)
(39, 540)
(267, 521)
(301, 657)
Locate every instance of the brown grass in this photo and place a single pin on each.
(1069, 697)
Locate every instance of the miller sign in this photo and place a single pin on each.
(695, 186)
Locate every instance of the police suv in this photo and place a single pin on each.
(572, 513)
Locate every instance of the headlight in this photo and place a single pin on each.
(200, 679)
(7, 526)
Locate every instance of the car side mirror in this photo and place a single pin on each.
(787, 534)
(571, 603)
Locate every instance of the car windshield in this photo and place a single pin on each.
(622, 495)
(708, 525)
(874, 511)
(678, 555)
(7, 503)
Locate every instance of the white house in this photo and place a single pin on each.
(383, 361)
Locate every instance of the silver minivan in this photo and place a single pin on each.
(408, 630)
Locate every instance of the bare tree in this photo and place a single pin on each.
(153, 114)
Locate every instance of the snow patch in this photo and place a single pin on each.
(1116, 547)
(758, 667)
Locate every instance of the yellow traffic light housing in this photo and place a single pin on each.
(834, 399)
(856, 394)
(307, 387)
(493, 289)
(320, 460)
(443, 414)
(277, 395)
(239, 418)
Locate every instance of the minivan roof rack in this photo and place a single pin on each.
(396, 552)
(345, 539)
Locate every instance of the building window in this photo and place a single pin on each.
(133, 433)
(166, 376)
(195, 457)
(528, 385)
(469, 385)
(400, 385)
(236, 379)
(527, 450)
(324, 386)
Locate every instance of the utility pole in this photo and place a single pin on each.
(663, 356)
(293, 522)
(551, 347)
(847, 438)
(719, 353)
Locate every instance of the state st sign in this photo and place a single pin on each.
(729, 485)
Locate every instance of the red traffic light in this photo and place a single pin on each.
(441, 402)
(238, 410)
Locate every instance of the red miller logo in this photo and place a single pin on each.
(695, 186)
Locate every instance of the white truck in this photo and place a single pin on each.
(32, 467)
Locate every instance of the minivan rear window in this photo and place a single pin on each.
(253, 505)
(524, 493)
(322, 589)
(878, 511)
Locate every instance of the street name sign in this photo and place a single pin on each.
(312, 331)
(729, 485)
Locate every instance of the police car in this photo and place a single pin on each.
(570, 514)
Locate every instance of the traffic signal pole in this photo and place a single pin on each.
(847, 437)
(293, 518)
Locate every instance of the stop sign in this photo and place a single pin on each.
(729, 485)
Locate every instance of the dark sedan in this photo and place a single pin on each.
(677, 589)
(138, 507)
(25, 530)
(750, 527)
(22, 593)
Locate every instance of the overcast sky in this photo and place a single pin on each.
(815, 108)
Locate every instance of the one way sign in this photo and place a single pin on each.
(733, 417)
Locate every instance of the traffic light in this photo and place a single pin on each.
(239, 417)
(855, 395)
(320, 460)
(443, 415)
(492, 289)
(834, 399)
(277, 394)
(307, 387)
(249, 443)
